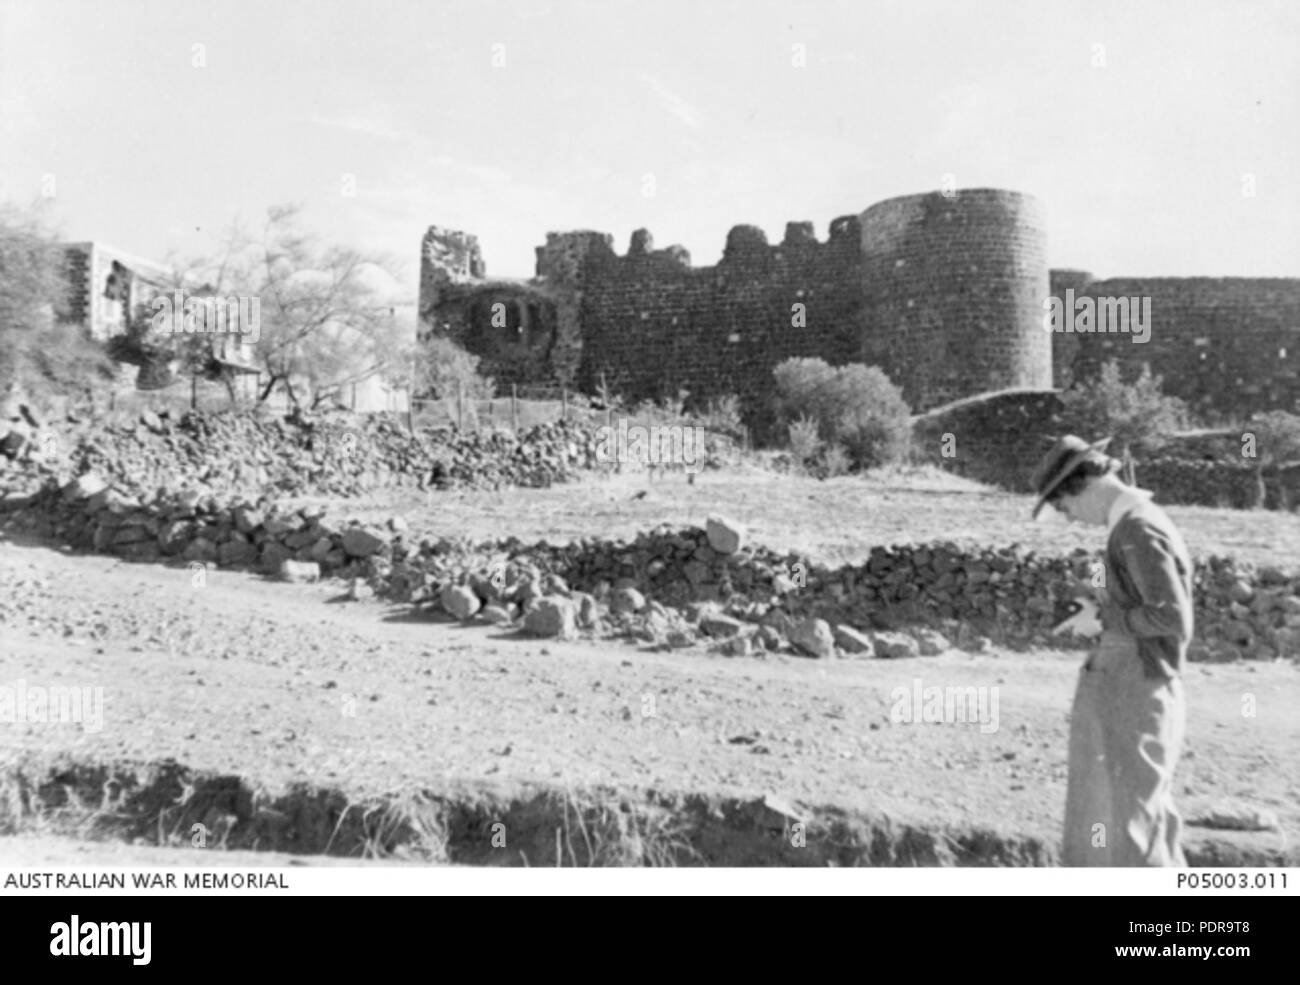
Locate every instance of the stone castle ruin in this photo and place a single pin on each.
(943, 291)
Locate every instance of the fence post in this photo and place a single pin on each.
(564, 403)
(514, 406)
(410, 414)
(460, 407)
(194, 390)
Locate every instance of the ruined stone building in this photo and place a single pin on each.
(108, 287)
(945, 292)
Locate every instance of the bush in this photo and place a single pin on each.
(834, 462)
(1277, 437)
(805, 442)
(1137, 414)
(800, 384)
(854, 406)
(1276, 444)
(442, 365)
(723, 416)
(666, 411)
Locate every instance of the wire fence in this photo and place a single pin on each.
(523, 407)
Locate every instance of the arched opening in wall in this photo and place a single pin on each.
(513, 333)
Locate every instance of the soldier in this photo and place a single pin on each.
(1127, 721)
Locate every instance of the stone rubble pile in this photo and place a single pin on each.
(344, 456)
(933, 591)
(247, 453)
(668, 587)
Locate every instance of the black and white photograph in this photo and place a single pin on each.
(815, 447)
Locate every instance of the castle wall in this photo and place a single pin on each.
(954, 287)
(653, 326)
(1230, 344)
(944, 292)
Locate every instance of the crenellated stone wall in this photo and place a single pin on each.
(946, 292)
(1226, 344)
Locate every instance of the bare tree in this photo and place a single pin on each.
(157, 338)
(324, 325)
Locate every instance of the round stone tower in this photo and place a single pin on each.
(954, 287)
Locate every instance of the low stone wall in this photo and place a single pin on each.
(682, 577)
(1000, 439)
(341, 455)
(1221, 484)
(242, 453)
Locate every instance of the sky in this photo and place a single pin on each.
(1163, 136)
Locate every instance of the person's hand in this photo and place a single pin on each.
(1085, 622)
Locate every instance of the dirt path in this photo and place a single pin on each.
(283, 684)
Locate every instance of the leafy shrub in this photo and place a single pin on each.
(674, 408)
(442, 365)
(854, 406)
(834, 462)
(649, 413)
(805, 442)
(1276, 443)
(800, 384)
(1277, 437)
(1136, 414)
(723, 415)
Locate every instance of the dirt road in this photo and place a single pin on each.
(281, 684)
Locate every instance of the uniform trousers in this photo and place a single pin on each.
(1126, 733)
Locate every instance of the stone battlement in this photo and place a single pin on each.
(944, 291)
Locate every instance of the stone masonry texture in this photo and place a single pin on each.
(944, 291)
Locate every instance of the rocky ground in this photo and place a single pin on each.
(286, 717)
(632, 684)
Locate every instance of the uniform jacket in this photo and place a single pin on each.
(1149, 581)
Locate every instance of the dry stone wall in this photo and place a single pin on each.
(669, 586)
(150, 500)
(1000, 439)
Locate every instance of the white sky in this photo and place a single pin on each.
(1140, 162)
